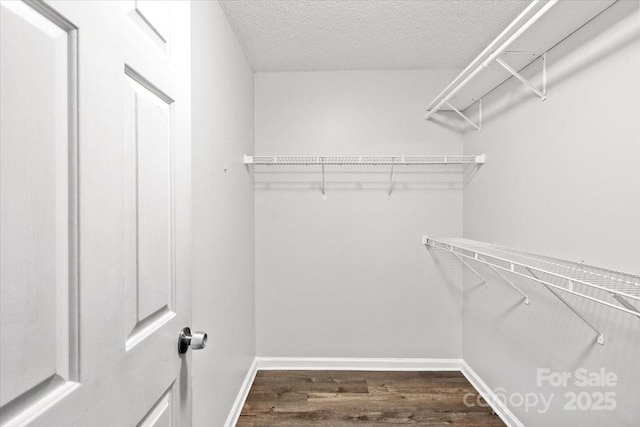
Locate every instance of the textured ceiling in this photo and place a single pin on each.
(310, 35)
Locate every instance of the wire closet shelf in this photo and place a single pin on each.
(390, 164)
(610, 288)
(363, 160)
(537, 29)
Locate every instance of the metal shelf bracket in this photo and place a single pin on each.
(473, 270)
(478, 258)
(390, 181)
(623, 302)
(599, 335)
(542, 94)
(509, 282)
(324, 194)
(477, 126)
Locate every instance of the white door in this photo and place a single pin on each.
(95, 213)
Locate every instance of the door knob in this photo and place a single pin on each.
(197, 340)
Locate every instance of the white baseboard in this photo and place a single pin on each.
(357, 364)
(369, 364)
(496, 404)
(236, 409)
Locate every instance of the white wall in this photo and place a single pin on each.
(223, 214)
(563, 179)
(348, 276)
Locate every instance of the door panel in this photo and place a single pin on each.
(162, 414)
(95, 213)
(153, 18)
(38, 347)
(149, 136)
(153, 126)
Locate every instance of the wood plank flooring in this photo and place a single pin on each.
(362, 398)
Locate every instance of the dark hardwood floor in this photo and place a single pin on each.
(362, 398)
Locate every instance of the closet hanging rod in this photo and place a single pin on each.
(365, 160)
(481, 62)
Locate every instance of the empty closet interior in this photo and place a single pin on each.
(472, 194)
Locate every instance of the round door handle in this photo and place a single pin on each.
(196, 340)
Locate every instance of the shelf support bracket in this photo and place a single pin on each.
(324, 195)
(478, 126)
(542, 94)
(626, 304)
(599, 335)
(390, 180)
(509, 282)
(473, 270)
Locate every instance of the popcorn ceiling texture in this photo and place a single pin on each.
(307, 35)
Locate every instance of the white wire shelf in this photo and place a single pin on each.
(389, 164)
(540, 26)
(363, 160)
(610, 288)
